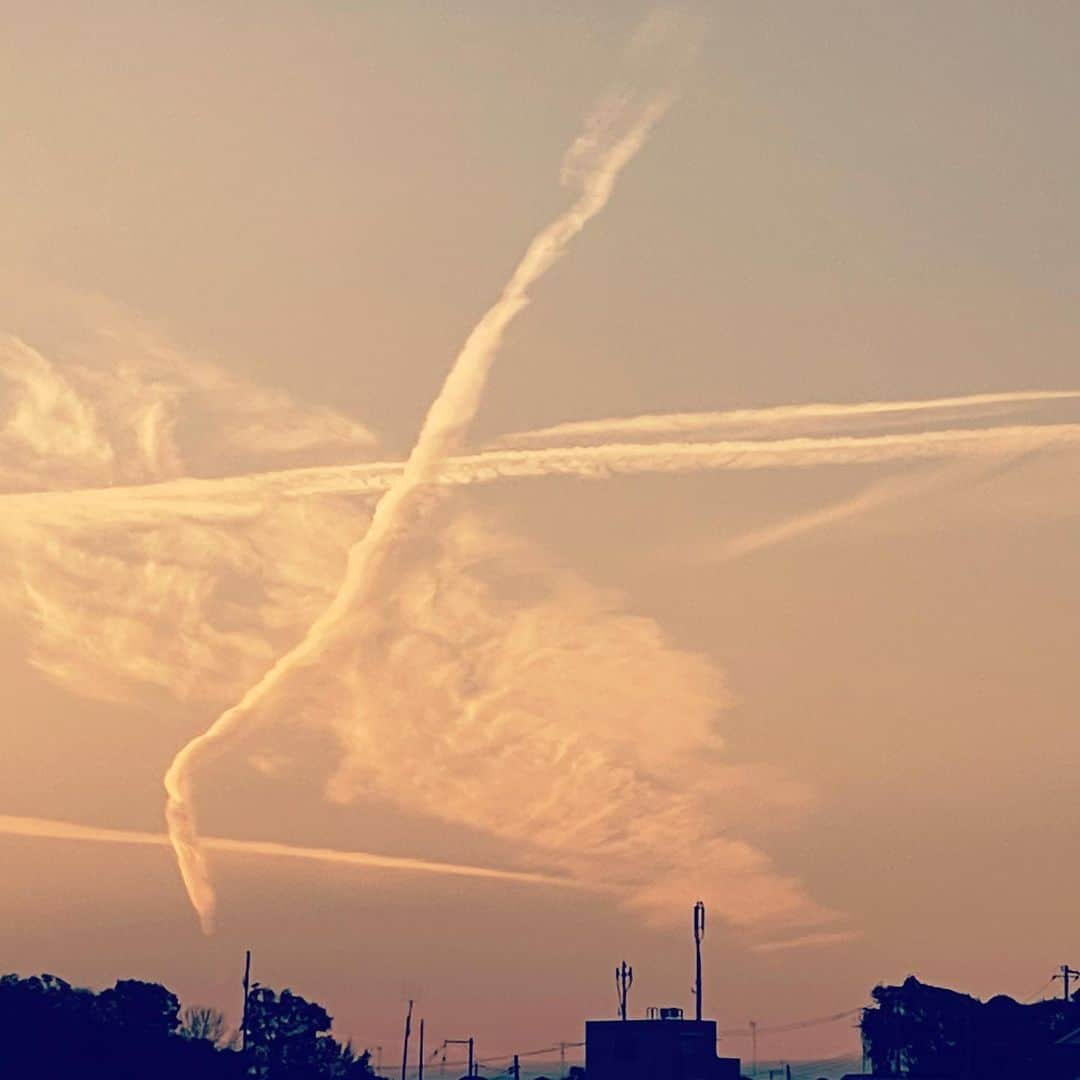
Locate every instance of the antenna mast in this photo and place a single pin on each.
(699, 934)
(624, 979)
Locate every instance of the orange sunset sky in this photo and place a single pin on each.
(741, 560)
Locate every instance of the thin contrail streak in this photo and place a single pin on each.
(210, 497)
(445, 424)
(883, 493)
(774, 415)
(51, 829)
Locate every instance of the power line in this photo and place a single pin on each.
(794, 1025)
(1032, 996)
(496, 1058)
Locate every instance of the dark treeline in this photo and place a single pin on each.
(918, 1030)
(50, 1030)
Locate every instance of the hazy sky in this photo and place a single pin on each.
(834, 694)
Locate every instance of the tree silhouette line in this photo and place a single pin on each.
(51, 1030)
(919, 1030)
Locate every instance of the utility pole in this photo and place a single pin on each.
(624, 979)
(562, 1059)
(515, 1069)
(753, 1045)
(405, 1041)
(461, 1042)
(699, 933)
(1066, 973)
(420, 1055)
(247, 991)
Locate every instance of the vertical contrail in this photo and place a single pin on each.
(593, 164)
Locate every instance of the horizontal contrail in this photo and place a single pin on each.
(51, 829)
(775, 415)
(208, 497)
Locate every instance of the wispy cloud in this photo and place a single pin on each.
(542, 716)
(195, 584)
(126, 408)
(817, 940)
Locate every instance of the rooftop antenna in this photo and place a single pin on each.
(405, 1043)
(624, 979)
(699, 934)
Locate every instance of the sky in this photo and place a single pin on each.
(639, 632)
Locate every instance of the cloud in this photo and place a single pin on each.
(817, 940)
(123, 407)
(536, 704)
(49, 435)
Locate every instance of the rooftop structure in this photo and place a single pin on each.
(670, 1048)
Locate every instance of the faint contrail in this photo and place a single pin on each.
(882, 493)
(594, 162)
(774, 415)
(51, 829)
(803, 941)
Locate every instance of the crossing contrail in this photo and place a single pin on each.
(593, 164)
(218, 497)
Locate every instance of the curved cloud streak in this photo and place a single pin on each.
(593, 164)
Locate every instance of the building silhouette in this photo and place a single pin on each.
(665, 1046)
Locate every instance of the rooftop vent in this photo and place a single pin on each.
(671, 1013)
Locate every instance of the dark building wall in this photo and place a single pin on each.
(655, 1050)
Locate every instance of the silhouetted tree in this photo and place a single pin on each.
(282, 1031)
(288, 1037)
(203, 1023)
(50, 1030)
(919, 1030)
